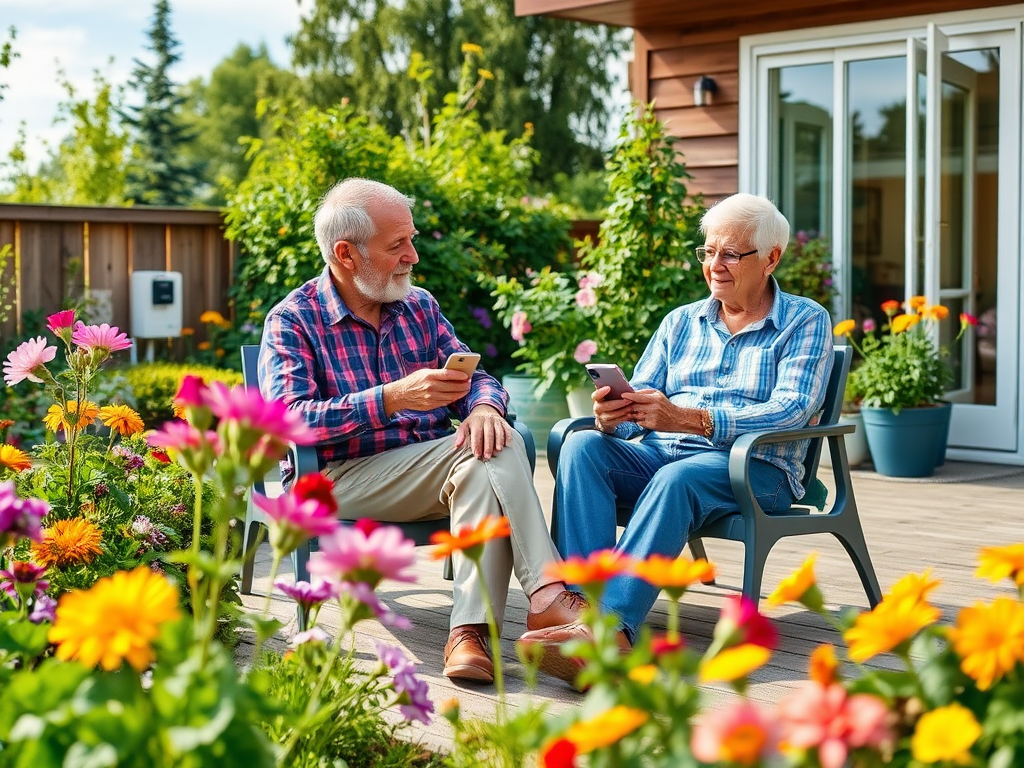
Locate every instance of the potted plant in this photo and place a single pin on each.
(806, 268)
(856, 444)
(899, 385)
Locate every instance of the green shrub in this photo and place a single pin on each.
(152, 386)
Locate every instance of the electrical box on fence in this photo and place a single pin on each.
(156, 304)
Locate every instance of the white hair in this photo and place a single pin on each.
(342, 213)
(753, 217)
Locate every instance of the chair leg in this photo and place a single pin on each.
(755, 554)
(857, 548)
(251, 536)
(698, 553)
(300, 567)
(447, 570)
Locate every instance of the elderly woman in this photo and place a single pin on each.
(749, 357)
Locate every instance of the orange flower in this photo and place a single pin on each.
(989, 639)
(68, 542)
(935, 312)
(14, 458)
(203, 346)
(605, 729)
(891, 623)
(915, 586)
(58, 417)
(188, 331)
(891, 307)
(598, 567)
(917, 303)
(900, 323)
(121, 419)
(823, 666)
(469, 540)
(798, 586)
(998, 563)
(5, 423)
(843, 328)
(673, 574)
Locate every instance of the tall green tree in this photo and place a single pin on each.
(549, 73)
(159, 173)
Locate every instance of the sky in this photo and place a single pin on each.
(81, 36)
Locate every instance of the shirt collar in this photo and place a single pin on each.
(333, 308)
(713, 305)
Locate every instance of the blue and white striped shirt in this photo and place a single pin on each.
(770, 375)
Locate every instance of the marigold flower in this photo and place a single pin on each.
(468, 539)
(891, 307)
(605, 729)
(597, 567)
(935, 312)
(560, 753)
(28, 360)
(917, 303)
(738, 735)
(914, 586)
(5, 423)
(998, 563)
(115, 621)
(61, 417)
(891, 623)
(472, 48)
(187, 331)
(843, 328)
(822, 667)
(799, 587)
(673, 574)
(733, 663)
(121, 419)
(100, 338)
(989, 639)
(945, 734)
(14, 458)
(204, 346)
(212, 316)
(75, 541)
(900, 323)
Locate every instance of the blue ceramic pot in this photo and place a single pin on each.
(538, 413)
(911, 443)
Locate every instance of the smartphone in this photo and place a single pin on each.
(609, 375)
(462, 361)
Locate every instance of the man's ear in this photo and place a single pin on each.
(773, 260)
(343, 254)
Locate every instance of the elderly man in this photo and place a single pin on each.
(359, 352)
(747, 358)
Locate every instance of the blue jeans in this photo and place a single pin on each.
(672, 488)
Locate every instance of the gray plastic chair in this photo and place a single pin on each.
(305, 461)
(757, 530)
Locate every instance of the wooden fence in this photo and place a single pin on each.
(91, 252)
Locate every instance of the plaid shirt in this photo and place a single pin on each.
(770, 375)
(325, 362)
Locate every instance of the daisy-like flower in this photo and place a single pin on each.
(23, 580)
(597, 568)
(844, 327)
(306, 594)
(468, 539)
(740, 623)
(799, 587)
(181, 436)
(472, 48)
(738, 735)
(121, 419)
(935, 312)
(607, 728)
(115, 621)
(28, 361)
(348, 554)
(900, 323)
(19, 517)
(293, 521)
(995, 563)
(733, 663)
(945, 735)
(311, 635)
(413, 695)
(915, 586)
(100, 339)
(68, 542)
(271, 419)
(917, 303)
(888, 625)
(989, 639)
(14, 458)
(68, 417)
(61, 324)
(673, 574)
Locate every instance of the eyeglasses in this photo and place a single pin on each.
(705, 254)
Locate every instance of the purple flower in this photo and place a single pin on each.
(306, 594)
(828, 281)
(437, 235)
(311, 635)
(44, 608)
(19, 517)
(412, 692)
(100, 490)
(144, 528)
(482, 316)
(132, 460)
(364, 594)
(491, 351)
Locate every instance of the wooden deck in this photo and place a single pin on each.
(909, 525)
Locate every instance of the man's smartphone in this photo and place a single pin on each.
(609, 375)
(462, 361)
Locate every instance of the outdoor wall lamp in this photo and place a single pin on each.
(704, 90)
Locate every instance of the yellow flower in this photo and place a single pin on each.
(989, 639)
(116, 620)
(935, 312)
(178, 411)
(643, 674)
(605, 729)
(793, 588)
(14, 458)
(122, 419)
(891, 622)
(916, 586)
(673, 574)
(823, 665)
(844, 328)
(68, 542)
(917, 302)
(486, 74)
(58, 417)
(998, 563)
(734, 663)
(212, 316)
(472, 48)
(900, 323)
(945, 734)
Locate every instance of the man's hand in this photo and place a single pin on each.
(608, 414)
(425, 390)
(652, 410)
(487, 431)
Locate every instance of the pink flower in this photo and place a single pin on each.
(738, 735)
(293, 520)
(306, 594)
(348, 554)
(191, 392)
(26, 361)
(181, 436)
(60, 323)
(827, 718)
(520, 326)
(270, 418)
(19, 517)
(586, 297)
(741, 623)
(584, 351)
(869, 325)
(311, 635)
(102, 338)
(591, 280)
(364, 594)
(28, 575)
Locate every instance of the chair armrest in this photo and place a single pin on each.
(558, 434)
(304, 459)
(527, 435)
(742, 450)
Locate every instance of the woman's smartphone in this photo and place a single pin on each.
(609, 375)
(462, 361)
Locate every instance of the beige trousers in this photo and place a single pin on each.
(431, 480)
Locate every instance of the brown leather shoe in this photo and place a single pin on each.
(567, 608)
(551, 639)
(466, 656)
